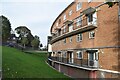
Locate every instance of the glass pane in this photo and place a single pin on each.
(91, 56)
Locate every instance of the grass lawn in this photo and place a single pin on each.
(17, 64)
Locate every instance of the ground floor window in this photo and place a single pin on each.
(79, 54)
(64, 54)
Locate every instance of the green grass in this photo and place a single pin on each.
(17, 64)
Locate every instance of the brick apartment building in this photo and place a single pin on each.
(85, 41)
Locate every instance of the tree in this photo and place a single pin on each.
(110, 4)
(45, 48)
(24, 41)
(41, 45)
(6, 28)
(35, 42)
(24, 32)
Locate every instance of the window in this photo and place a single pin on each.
(64, 17)
(90, 17)
(57, 24)
(70, 27)
(78, 21)
(79, 37)
(80, 55)
(96, 56)
(70, 12)
(89, 0)
(70, 39)
(58, 32)
(79, 6)
(59, 21)
(64, 40)
(91, 34)
(64, 54)
(64, 29)
(91, 56)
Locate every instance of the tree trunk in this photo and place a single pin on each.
(24, 45)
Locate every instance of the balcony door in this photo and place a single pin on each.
(70, 27)
(93, 59)
(60, 56)
(71, 57)
(92, 18)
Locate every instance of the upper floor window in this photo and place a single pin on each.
(64, 29)
(57, 24)
(59, 21)
(89, 0)
(91, 34)
(80, 55)
(70, 12)
(70, 27)
(70, 39)
(79, 6)
(64, 17)
(64, 40)
(79, 21)
(90, 18)
(58, 32)
(79, 37)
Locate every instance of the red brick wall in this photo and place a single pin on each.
(107, 33)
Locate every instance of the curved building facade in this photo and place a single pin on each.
(85, 41)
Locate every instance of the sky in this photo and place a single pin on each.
(37, 15)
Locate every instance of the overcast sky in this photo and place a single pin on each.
(37, 15)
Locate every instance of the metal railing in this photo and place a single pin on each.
(76, 25)
(73, 61)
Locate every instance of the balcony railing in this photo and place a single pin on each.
(74, 61)
(83, 26)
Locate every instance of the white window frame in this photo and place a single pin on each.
(64, 29)
(78, 53)
(64, 55)
(90, 35)
(79, 6)
(70, 28)
(89, 1)
(70, 12)
(79, 21)
(70, 39)
(64, 17)
(79, 37)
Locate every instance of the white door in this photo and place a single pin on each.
(93, 59)
(70, 28)
(92, 18)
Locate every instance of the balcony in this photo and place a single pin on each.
(84, 26)
(74, 62)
